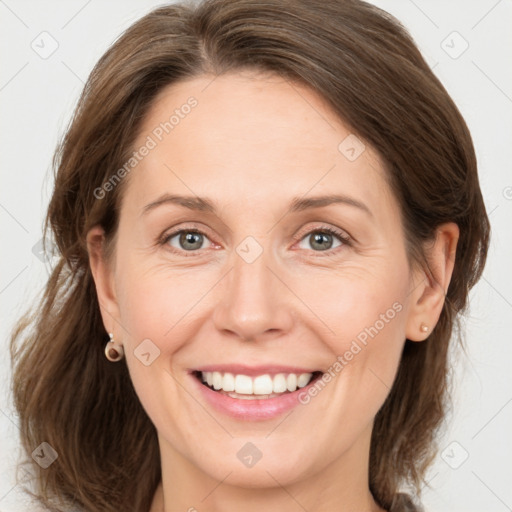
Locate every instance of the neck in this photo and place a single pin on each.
(340, 485)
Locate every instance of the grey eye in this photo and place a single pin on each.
(321, 240)
(188, 240)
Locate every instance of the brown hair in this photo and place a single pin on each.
(366, 66)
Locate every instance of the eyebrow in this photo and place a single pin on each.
(297, 204)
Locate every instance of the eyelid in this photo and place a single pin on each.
(172, 232)
(340, 233)
(343, 236)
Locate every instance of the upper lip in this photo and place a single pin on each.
(253, 371)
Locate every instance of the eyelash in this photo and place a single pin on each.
(164, 239)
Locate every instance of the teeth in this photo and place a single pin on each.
(217, 380)
(291, 382)
(260, 385)
(243, 385)
(228, 382)
(303, 380)
(279, 384)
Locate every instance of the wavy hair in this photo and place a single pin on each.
(363, 62)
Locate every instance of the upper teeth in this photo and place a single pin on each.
(260, 385)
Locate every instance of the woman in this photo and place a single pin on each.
(197, 348)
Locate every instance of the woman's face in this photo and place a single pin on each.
(238, 275)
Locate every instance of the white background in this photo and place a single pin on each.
(37, 97)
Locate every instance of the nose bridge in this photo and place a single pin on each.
(252, 300)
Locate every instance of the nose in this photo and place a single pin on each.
(252, 301)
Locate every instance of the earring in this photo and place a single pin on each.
(424, 328)
(112, 352)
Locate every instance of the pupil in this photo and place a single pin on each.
(191, 238)
(318, 238)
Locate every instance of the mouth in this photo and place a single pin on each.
(253, 393)
(265, 386)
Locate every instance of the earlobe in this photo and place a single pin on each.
(103, 278)
(431, 285)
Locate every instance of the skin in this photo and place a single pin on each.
(252, 144)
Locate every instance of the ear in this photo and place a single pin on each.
(429, 289)
(103, 276)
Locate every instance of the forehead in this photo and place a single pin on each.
(251, 137)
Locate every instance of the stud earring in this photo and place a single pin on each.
(424, 328)
(112, 352)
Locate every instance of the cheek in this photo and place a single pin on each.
(349, 304)
(158, 306)
(363, 315)
(156, 303)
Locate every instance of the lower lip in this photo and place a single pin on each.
(252, 410)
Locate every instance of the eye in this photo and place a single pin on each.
(324, 239)
(189, 240)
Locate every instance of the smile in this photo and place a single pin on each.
(260, 387)
(252, 394)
